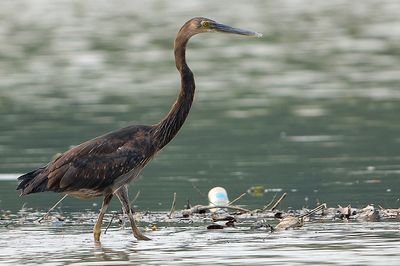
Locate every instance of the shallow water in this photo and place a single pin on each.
(310, 109)
(315, 244)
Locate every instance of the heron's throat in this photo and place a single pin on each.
(170, 125)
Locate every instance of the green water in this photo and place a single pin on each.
(311, 109)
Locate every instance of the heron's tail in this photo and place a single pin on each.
(32, 182)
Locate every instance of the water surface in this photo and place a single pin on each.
(310, 109)
(315, 244)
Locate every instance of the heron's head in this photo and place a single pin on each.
(201, 24)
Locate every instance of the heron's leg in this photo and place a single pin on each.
(123, 220)
(122, 195)
(97, 226)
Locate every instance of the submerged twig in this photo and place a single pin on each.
(318, 208)
(52, 208)
(278, 202)
(238, 198)
(173, 206)
(199, 191)
(296, 221)
(270, 203)
(226, 207)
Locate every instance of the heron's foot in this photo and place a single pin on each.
(139, 236)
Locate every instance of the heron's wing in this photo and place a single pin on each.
(96, 164)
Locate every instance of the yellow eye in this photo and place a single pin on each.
(204, 24)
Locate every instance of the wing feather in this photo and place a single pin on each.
(96, 164)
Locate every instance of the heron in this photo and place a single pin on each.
(104, 166)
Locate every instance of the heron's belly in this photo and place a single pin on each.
(85, 193)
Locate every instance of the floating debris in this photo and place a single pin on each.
(222, 222)
(369, 213)
(223, 218)
(390, 213)
(215, 226)
(289, 222)
(201, 209)
(228, 215)
(151, 227)
(173, 206)
(344, 212)
(217, 196)
(256, 191)
(296, 221)
(261, 224)
(229, 221)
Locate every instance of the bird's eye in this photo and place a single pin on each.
(204, 24)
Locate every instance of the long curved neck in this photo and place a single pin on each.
(166, 130)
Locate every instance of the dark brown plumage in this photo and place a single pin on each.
(90, 169)
(104, 166)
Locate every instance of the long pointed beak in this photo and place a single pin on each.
(228, 29)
